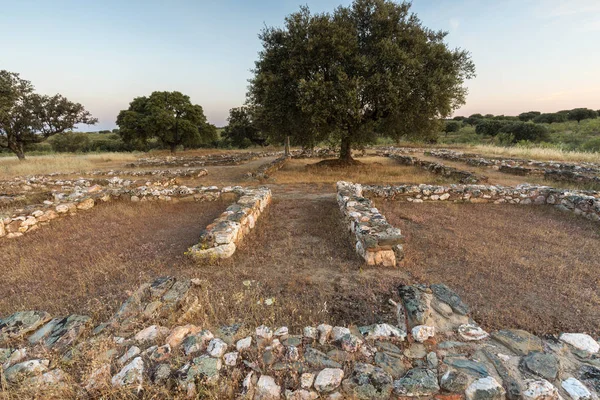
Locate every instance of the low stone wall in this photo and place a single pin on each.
(551, 170)
(428, 347)
(31, 218)
(219, 239)
(585, 203)
(211, 159)
(265, 170)
(440, 169)
(377, 242)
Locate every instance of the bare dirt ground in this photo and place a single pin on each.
(522, 267)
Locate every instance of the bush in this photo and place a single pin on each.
(71, 142)
(490, 127)
(592, 145)
(550, 118)
(452, 126)
(526, 131)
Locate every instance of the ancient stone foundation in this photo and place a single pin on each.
(220, 238)
(265, 170)
(426, 346)
(584, 203)
(440, 169)
(377, 242)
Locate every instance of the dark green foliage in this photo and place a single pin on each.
(528, 116)
(550, 118)
(473, 119)
(370, 69)
(459, 118)
(168, 116)
(452, 126)
(526, 131)
(27, 118)
(490, 127)
(579, 114)
(242, 132)
(71, 142)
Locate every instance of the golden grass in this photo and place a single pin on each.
(11, 167)
(525, 267)
(535, 153)
(375, 170)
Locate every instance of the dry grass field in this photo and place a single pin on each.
(522, 267)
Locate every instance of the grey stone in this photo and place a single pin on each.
(591, 375)
(485, 389)
(416, 303)
(416, 350)
(417, 382)
(391, 364)
(454, 381)
(519, 341)
(162, 374)
(20, 323)
(510, 381)
(25, 369)
(368, 382)
(541, 364)
(448, 296)
(319, 360)
(204, 367)
(470, 367)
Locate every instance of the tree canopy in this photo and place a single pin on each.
(579, 114)
(241, 130)
(168, 116)
(364, 70)
(27, 117)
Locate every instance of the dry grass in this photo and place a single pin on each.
(535, 153)
(86, 263)
(522, 267)
(32, 165)
(375, 170)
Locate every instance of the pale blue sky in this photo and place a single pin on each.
(530, 54)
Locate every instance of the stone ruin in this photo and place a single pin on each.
(583, 173)
(426, 346)
(200, 161)
(220, 238)
(439, 169)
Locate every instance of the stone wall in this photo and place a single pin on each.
(585, 173)
(440, 169)
(210, 159)
(585, 203)
(377, 242)
(219, 239)
(426, 346)
(265, 170)
(82, 198)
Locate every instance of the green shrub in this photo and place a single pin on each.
(71, 142)
(527, 131)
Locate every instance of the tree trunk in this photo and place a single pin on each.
(173, 148)
(287, 146)
(18, 150)
(346, 149)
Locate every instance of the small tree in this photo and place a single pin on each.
(473, 119)
(528, 116)
(169, 116)
(526, 131)
(489, 127)
(579, 114)
(27, 117)
(459, 118)
(241, 131)
(452, 126)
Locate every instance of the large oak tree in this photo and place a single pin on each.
(364, 70)
(27, 117)
(169, 116)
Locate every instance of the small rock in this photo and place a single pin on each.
(282, 331)
(472, 332)
(339, 332)
(129, 354)
(485, 389)
(217, 348)
(162, 374)
(25, 369)
(267, 389)
(264, 332)
(519, 341)
(581, 342)
(422, 332)
(311, 332)
(231, 358)
(150, 333)
(244, 344)
(576, 389)
(306, 380)
(542, 365)
(131, 374)
(324, 332)
(540, 390)
(417, 382)
(328, 379)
